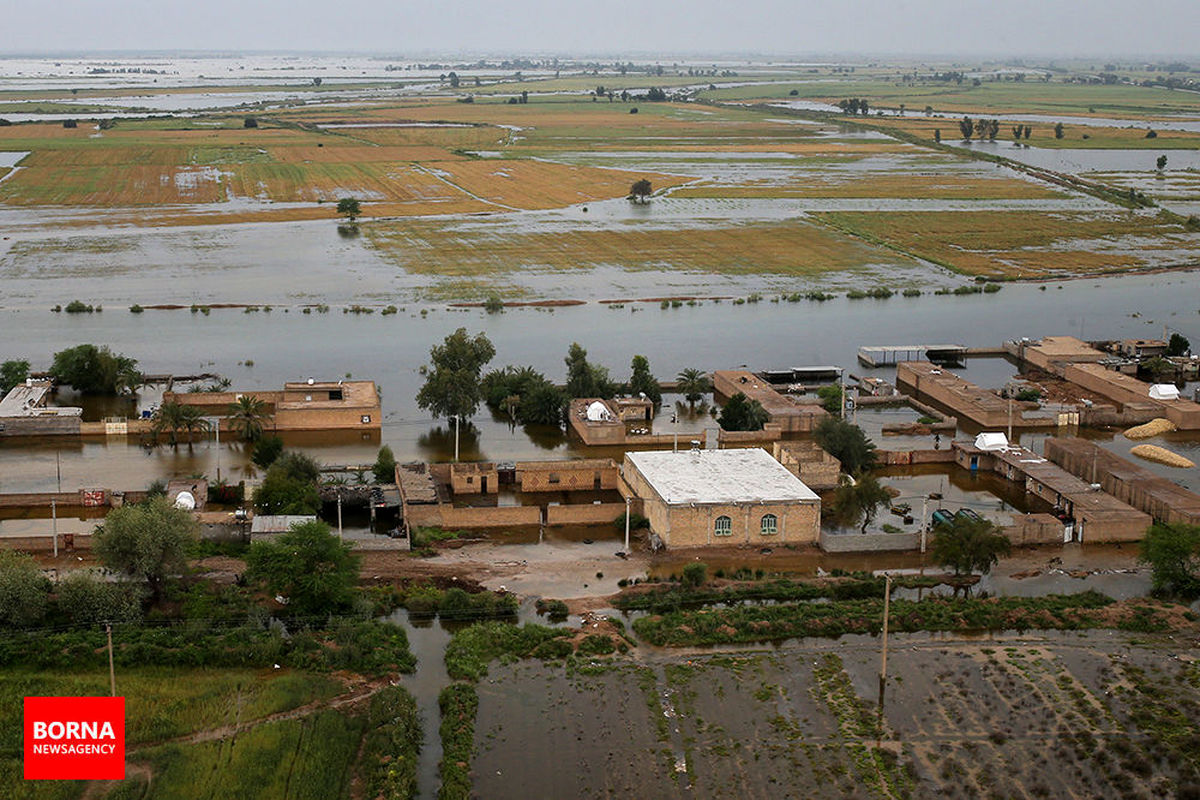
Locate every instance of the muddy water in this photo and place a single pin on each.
(1084, 160)
(427, 639)
(390, 350)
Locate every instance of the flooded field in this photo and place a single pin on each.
(1058, 715)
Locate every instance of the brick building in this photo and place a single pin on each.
(716, 497)
(301, 406)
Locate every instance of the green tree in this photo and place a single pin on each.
(966, 126)
(12, 373)
(693, 384)
(309, 566)
(831, 397)
(149, 541)
(1173, 553)
(857, 502)
(95, 370)
(1178, 345)
(741, 413)
(90, 600)
(1059, 131)
(349, 208)
(175, 417)
(452, 386)
(1162, 163)
(266, 450)
(545, 404)
(290, 486)
(525, 395)
(642, 382)
(246, 417)
(847, 443)
(584, 379)
(969, 545)
(640, 191)
(385, 466)
(24, 591)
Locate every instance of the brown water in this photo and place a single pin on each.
(390, 350)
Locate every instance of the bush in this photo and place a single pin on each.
(89, 600)
(458, 703)
(695, 574)
(385, 466)
(473, 648)
(266, 450)
(24, 591)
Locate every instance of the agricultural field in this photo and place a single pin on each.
(1015, 244)
(484, 194)
(228, 733)
(1070, 716)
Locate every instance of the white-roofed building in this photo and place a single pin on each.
(716, 497)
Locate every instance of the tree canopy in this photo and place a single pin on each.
(525, 395)
(246, 417)
(1173, 553)
(641, 190)
(349, 208)
(309, 566)
(969, 545)
(290, 486)
(12, 373)
(149, 541)
(174, 417)
(385, 466)
(847, 443)
(741, 413)
(642, 382)
(858, 502)
(95, 370)
(584, 379)
(23, 589)
(693, 384)
(452, 387)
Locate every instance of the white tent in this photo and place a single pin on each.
(990, 442)
(186, 501)
(1164, 391)
(598, 412)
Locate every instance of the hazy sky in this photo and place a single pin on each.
(399, 27)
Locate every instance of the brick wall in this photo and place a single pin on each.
(568, 477)
(694, 526)
(507, 516)
(869, 542)
(590, 514)
(1031, 529)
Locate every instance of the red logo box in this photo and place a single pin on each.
(74, 738)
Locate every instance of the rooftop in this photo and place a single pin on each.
(719, 476)
(1066, 348)
(29, 400)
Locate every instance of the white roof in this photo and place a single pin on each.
(991, 441)
(1164, 391)
(719, 476)
(185, 500)
(278, 523)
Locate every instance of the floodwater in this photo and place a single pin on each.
(1080, 160)
(391, 349)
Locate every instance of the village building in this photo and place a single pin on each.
(721, 497)
(301, 406)
(783, 411)
(597, 421)
(24, 412)
(808, 461)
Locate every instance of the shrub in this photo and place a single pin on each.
(695, 574)
(24, 591)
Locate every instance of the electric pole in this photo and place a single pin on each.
(887, 596)
(112, 675)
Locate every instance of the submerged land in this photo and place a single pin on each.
(199, 217)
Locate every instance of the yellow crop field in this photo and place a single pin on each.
(491, 245)
(1022, 244)
(930, 186)
(539, 185)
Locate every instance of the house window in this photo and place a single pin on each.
(554, 478)
(723, 526)
(770, 525)
(470, 480)
(335, 394)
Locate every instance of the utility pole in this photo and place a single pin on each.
(887, 596)
(339, 497)
(1010, 417)
(54, 522)
(924, 527)
(626, 525)
(842, 384)
(112, 675)
(457, 422)
(58, 469)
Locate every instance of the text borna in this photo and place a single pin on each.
(73, 730)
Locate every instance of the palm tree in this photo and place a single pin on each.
(246, 416)
(693, 384)
(174, 417)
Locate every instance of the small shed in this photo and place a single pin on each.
(1164, 391)
(991, 442)
(267, 525)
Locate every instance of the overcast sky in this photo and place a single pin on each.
(799, 27)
